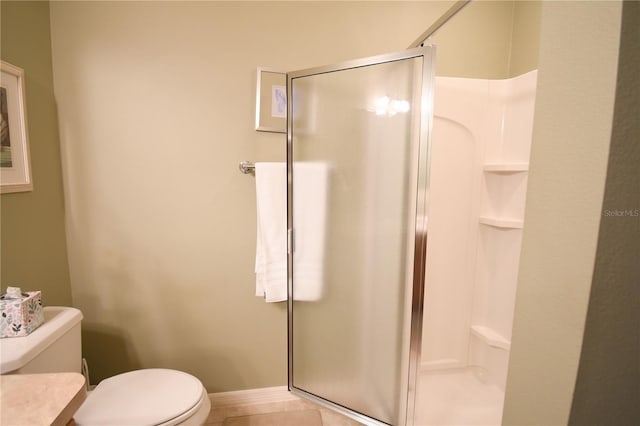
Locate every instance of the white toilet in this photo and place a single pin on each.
(152, 396)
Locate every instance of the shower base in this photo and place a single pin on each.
(458, 396)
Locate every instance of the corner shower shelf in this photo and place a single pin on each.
(490, 337)
(506, 167)
(499, 222)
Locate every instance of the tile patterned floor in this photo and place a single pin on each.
(282, 409)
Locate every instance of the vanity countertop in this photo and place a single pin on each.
(40, 399)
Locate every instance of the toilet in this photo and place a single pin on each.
(153, 396)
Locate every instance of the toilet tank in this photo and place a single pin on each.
(53, 347)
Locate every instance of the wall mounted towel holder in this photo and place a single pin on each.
(247, 167)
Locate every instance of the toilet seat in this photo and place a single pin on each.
(153, 396)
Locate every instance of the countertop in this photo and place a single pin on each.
(40, 399)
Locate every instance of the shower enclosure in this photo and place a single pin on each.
(358, 179)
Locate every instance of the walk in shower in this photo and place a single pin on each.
(359, 181)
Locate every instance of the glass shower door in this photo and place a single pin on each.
(357, 187)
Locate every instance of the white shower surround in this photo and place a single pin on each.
(480, 155)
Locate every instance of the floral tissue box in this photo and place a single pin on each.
(19, 317)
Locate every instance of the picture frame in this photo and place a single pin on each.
(271, 100)
(15, 165)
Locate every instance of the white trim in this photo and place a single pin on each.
(252, 396)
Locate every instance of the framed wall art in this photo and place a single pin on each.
(15, 168)
(271, 101)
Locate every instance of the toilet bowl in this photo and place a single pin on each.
(154, 396)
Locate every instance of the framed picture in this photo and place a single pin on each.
(271, 101)
(15, 169)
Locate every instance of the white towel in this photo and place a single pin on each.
(310, 209)
(271, 245)
(310, 185)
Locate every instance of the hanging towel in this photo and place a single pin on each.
(310, 210)
(310, 185)
(271, 244)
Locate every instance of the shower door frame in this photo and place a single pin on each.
(414, 285)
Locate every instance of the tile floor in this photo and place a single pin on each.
(283, 409)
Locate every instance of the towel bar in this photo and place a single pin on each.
(247, 167)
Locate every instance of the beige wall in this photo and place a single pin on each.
(525, 36)
(490, 39)
(34, 253)
(476, 42)
(571, 141)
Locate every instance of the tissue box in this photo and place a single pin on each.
(19, 317)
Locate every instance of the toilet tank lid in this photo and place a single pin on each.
(16, 352)
(150, 397)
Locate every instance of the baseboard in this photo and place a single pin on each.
(252, 396)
